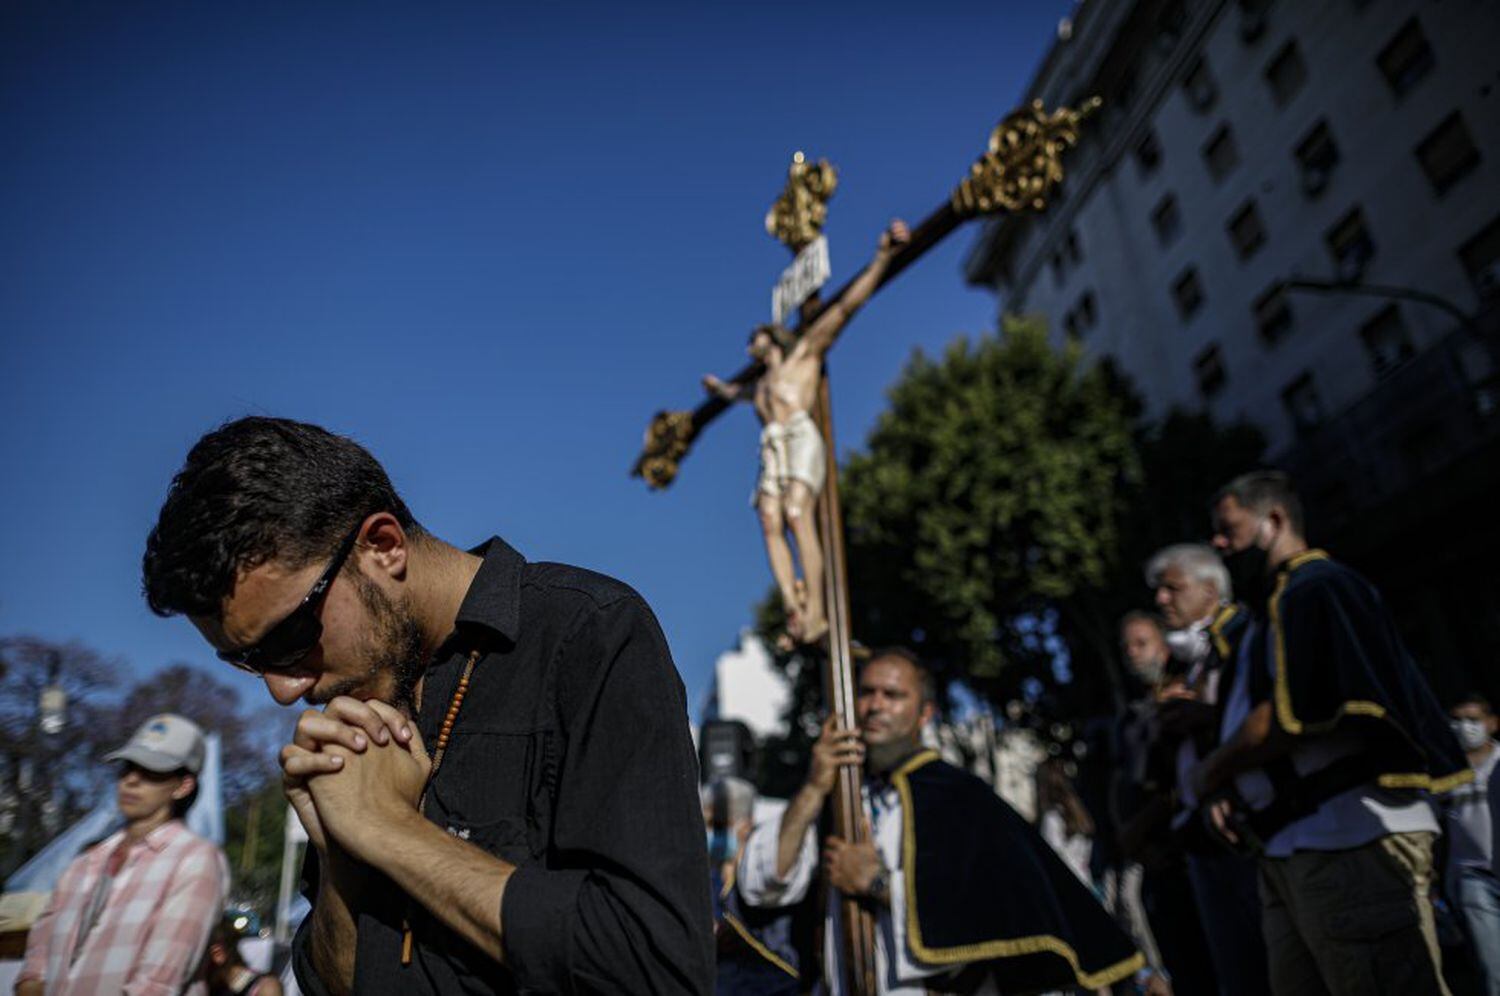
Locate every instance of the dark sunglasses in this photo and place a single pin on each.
(293, 638)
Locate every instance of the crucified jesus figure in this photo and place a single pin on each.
(793, 464)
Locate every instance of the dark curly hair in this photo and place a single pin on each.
(254, 490)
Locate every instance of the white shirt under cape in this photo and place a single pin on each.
(759, 886)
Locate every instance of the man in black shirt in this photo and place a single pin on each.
(552, 841)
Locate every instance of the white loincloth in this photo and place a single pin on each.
(790, 451)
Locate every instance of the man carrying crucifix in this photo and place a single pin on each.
(793, 463)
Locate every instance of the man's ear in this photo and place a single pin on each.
(384, 545)
(929, 712)
(185, 787)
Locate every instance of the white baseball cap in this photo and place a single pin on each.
(163, 744)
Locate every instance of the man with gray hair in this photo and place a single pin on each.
(1189, 584)
(1192, 591)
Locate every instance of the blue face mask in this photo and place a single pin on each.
(722, 845)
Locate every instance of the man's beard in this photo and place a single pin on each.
(393, 645)
(883, 758)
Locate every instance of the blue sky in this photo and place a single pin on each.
(485, 241)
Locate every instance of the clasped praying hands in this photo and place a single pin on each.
(353, 771)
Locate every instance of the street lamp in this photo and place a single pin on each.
(1386, 291)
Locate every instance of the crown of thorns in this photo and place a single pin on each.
(782, 336)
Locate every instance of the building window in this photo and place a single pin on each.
(1199, 87)
(1273, 314)
(1253, 19)
(1220, 153)
(1246, 231)
(1448, 154)
(1424, 448)
(1317, 155)
(1058, 272)
(1406, 59)
(1387, 340)
(1208, 369)
(1148, 153)
(1170, 25)
(1087, 313)
(1481, 260)
(1301, 401)
(1350, 245)
(1187, 293)
(1286, 74)
(1082, 316)
(1166, 220)
(1075, 252)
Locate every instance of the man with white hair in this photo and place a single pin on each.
(1192, 591)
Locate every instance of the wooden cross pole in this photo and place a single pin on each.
(1022, 166)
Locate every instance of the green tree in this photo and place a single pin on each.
(48, 777)
(994, 487)
(253, 837)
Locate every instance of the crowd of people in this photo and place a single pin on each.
(501, 794)
(1293, 811)
(1306, 816)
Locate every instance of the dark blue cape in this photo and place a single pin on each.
(982, 886)
(1338, 663)
(759, 955)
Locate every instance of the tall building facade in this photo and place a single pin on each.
(1289, 214)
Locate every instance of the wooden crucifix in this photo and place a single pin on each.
(1020, 169)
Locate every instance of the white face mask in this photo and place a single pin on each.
(1472, 733)
(1190, 645)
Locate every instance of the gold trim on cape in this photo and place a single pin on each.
(1289, 722)
(760, 948)
(986, 950)
(744, 931)
(1216, 630)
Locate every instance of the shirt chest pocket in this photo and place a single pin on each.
(491, 791)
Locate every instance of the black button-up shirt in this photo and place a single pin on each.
(571, 759)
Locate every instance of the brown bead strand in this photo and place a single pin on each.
(450, 719)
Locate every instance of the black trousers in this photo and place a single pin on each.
(1172, 911)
